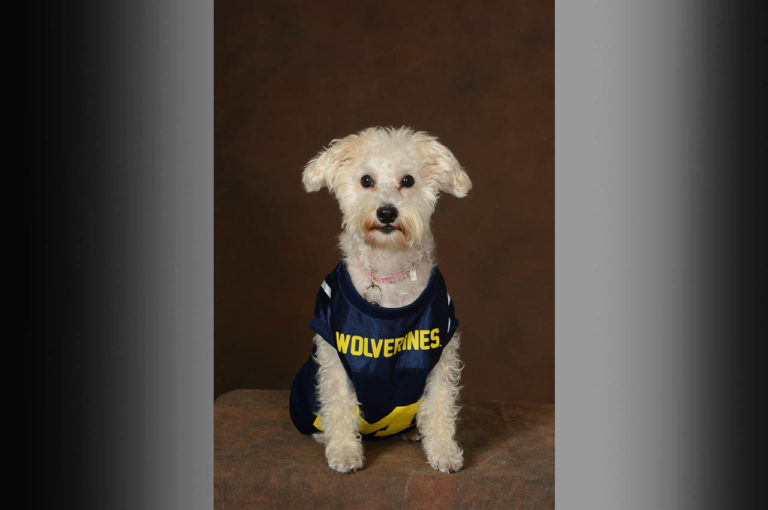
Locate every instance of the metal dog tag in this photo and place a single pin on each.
(373, 294)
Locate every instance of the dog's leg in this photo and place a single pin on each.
(438, 411)
(338, 411)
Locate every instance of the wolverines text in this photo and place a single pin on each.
(418, 339)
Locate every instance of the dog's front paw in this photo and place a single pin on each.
(345, 457)
(445, 456)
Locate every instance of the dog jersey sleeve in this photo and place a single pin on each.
(321, 322)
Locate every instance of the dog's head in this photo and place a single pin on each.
(387, 182)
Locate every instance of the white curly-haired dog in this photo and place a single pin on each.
(385, 355)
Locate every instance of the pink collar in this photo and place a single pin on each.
(396, 278)
(390, 279)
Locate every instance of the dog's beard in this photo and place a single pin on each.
(402, 233)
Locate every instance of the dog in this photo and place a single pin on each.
(385, 355)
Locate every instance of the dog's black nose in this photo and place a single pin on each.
(386, 213)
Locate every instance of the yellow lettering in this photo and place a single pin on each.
(412, 341)
(342, 342)
(357, 345)
(418, 339)
(423, 339)
(435, 338)
(388, 347)
(376, 347)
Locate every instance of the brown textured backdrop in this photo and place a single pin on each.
(290, 76)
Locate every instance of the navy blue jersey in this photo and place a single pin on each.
(386, 352)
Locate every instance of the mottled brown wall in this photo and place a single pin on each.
(290, 76)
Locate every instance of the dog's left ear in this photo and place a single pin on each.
(445, 169)
(323, 169)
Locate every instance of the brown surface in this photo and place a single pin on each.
(261, 461)
(290, 76)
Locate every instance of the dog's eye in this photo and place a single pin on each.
(366, 181)
(407, 181)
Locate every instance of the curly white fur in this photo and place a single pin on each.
(386, 155)
(438, 411)
(338, 411)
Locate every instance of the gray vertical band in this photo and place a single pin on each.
(151, 65)
(643, 166)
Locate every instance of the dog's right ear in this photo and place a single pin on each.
(324, 168)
